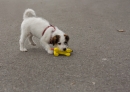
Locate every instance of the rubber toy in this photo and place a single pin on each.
(58, 52)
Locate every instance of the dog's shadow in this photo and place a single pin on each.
(36, 50)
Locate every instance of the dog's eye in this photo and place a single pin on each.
(59, 43)
(65, 42)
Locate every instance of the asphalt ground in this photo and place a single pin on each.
(101, 58)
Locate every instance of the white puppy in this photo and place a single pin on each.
(41, 28)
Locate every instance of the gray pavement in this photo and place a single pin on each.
(101, 58)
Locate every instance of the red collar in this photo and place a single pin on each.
(47, 28)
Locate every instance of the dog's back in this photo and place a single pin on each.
(33, 24)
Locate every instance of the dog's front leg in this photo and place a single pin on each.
(46, 46)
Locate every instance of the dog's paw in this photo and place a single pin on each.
(23, 49)
(50, 52)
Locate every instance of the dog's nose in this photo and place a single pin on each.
(64, 49)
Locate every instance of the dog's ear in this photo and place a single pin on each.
(55, 39)
(66, 38)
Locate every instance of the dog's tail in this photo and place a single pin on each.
(29, 13)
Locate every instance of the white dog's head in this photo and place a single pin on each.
(61, 41)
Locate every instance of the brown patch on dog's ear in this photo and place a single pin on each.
(66, 38)
(55, 39)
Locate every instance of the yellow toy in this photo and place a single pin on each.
(57, 52)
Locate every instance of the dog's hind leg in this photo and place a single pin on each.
(22, 41)
(30, 39)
